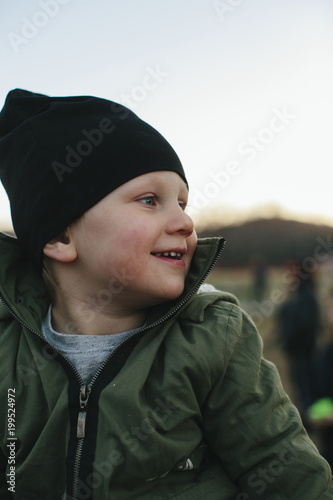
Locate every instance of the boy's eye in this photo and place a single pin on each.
(149, 200)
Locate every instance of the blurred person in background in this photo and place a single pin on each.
(299, 326)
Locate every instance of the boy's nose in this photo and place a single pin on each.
(180, 223)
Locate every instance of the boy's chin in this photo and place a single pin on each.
(165, 296)
(172, 293)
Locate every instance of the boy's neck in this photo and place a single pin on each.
(77, 318)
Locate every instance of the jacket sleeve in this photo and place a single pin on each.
(253, 427)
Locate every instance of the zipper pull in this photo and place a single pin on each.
(81, 425)
(81, 420)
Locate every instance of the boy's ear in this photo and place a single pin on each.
(61, 247)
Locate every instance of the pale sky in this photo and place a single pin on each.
(242, 89)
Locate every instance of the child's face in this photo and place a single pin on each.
(121, 241)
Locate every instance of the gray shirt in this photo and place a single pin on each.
(85, 352)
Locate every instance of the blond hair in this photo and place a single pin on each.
(48, 276)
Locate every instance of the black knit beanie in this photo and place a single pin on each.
(59, 156)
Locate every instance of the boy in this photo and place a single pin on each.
(121, 376)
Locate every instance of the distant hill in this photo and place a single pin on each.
(276, 240)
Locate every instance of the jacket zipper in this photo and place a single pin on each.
(85, 390)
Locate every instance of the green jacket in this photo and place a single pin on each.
(186, 409)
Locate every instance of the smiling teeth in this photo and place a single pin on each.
(174, 255)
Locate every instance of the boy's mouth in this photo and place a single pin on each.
(172, 254)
